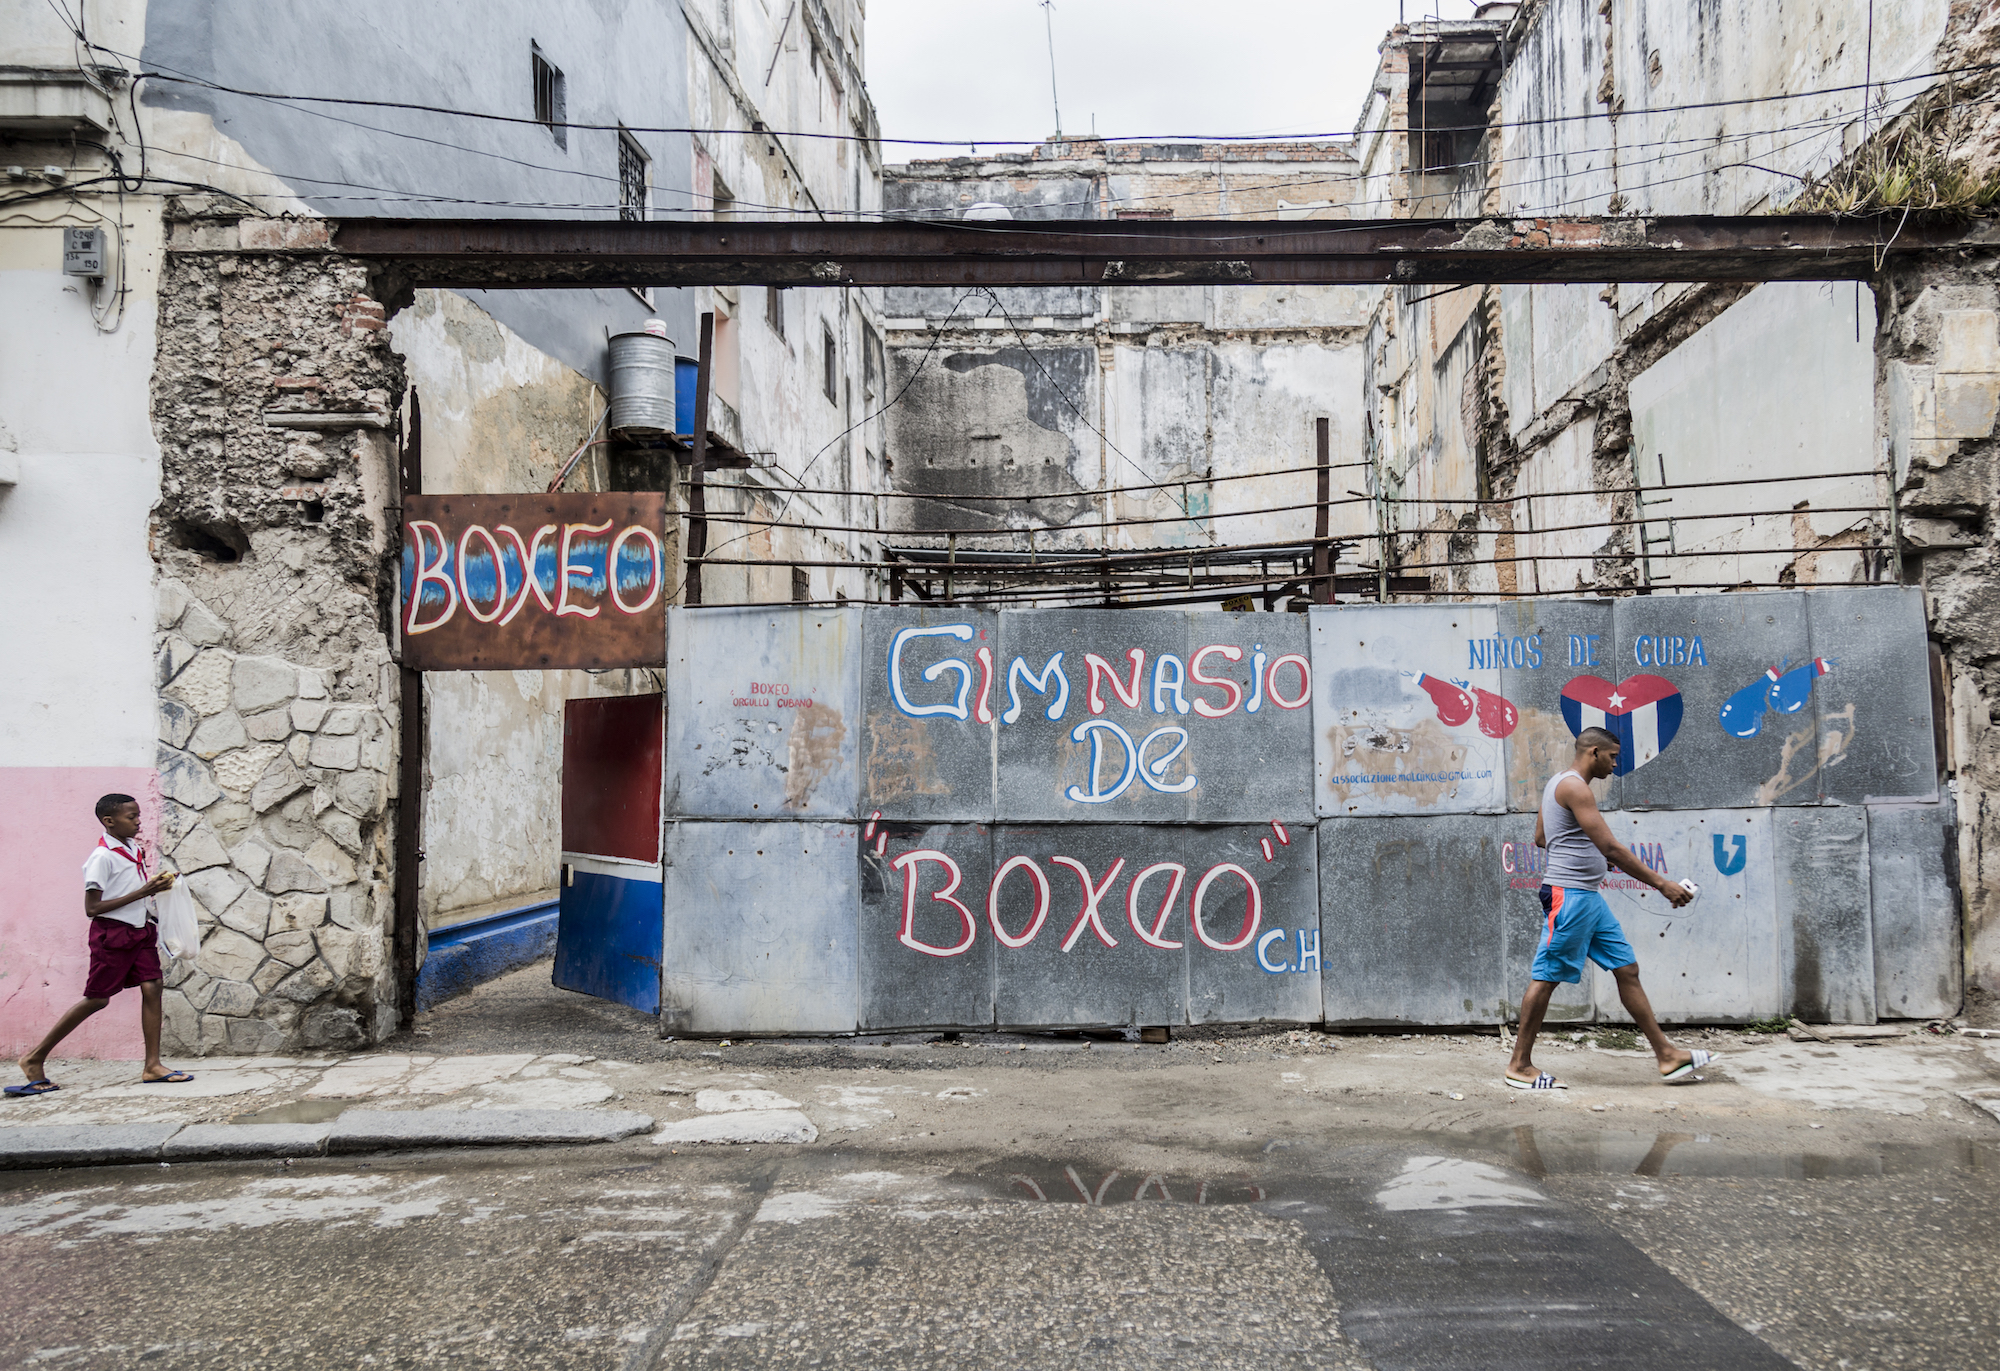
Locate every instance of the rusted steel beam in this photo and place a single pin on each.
(532, 253)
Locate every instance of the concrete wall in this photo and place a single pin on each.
(1069, 392)
(770, 396)
(77, 713)
(622, 64)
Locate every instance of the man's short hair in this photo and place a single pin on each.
(1596, 737)
(107, 805)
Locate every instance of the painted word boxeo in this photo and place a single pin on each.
(927, 817)
(514, 582)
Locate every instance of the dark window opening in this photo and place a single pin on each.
(633, 178)
(1437, 151)
(551, 106)
(313, 511)
(774, 309)
(830, 356)
(871, 363)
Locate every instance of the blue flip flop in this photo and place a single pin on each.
(45, 1086)
(171, 1078)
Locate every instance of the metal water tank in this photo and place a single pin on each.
(642, 382)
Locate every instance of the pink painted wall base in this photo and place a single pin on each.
(47, 827)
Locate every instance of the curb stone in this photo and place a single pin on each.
(42, 1146)
(369, 1130)
(220, 1141)
(82, 1144)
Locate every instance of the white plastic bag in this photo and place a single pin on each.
(180, 935)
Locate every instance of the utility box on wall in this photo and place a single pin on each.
(83, 252)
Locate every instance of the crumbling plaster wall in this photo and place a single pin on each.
(1938, 389)
(1070, 391)
(499, 415)
(277, 690)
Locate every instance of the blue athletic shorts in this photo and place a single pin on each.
(1579, 925)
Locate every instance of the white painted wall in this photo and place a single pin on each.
(73, 530)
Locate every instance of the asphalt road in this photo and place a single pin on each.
(1242, 1200)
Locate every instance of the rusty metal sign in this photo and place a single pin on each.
(523, 582)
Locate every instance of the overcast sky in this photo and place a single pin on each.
(979, 69)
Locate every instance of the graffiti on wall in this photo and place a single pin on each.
(1077, 816)
(524, 582)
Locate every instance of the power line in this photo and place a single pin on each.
(161, 72)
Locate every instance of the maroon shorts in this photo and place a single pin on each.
(121, 957)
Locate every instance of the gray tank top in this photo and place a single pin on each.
(1574, 861)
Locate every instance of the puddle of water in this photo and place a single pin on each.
(1097, 1187)
(299, 1111)
(1543, 1152)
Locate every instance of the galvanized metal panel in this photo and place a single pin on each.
(1278, 973)
(760, 928)
(1401, 725)
(1716, 960)
(1413, 920)
(1715, 650)
(1825, 924)
(533, 582)
(1918, 971)
(926, 949)
(928, 745)
(1874, 704)
(1167, 748)
(765, 708)
(1255, 766)
(1075, 969)
(1107, 663)
(1541, 645)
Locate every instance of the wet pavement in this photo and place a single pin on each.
(1257, 1199)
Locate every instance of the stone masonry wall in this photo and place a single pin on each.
(1938, 393)
(277, 752)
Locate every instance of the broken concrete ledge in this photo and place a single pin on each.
(40, 1146)
(463, 956)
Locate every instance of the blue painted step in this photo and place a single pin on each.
(469, 954)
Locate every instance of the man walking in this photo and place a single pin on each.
(1579, 923)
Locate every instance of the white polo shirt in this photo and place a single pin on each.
(114, 869)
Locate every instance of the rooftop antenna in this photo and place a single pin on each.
(1048, 17)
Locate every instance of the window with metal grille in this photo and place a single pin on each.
(550, 105)
(632, 178)
(830, 357)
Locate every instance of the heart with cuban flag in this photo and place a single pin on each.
(1642, 712)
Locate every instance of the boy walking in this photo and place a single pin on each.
(118, 898)
(1572, 830)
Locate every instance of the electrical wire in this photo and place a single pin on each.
(160, 71)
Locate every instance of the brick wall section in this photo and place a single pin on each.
(277, 690)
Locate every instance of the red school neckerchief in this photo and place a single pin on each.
(138, 861)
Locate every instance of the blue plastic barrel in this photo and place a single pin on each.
(684, 373)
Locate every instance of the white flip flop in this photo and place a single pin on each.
(1684, 1073)
(1542, 1082)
